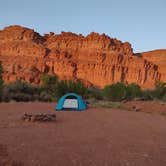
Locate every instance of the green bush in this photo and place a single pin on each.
(133, 91)
(160, 90)
(68, 86)
(77, 87)
(51, 88)
(22, 87)
(44, 96)
(119, 92)
(95, 93)
(159, 93)
(20, 91)
(115, 92)
(56, 88)
(49, 82)
(21, 97)
(146, 95)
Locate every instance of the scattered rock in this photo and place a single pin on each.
(39, 117)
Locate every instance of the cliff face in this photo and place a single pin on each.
(96, 59)
(159, 58)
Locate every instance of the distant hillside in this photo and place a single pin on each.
(95, 59)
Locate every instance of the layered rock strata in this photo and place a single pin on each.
(96, 59)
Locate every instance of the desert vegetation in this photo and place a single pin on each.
(51, 89)
(120, 92)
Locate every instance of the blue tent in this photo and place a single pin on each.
(71, 101)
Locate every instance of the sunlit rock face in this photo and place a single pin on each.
(95, 59)
(157, 57)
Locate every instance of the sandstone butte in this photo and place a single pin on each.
(95, 59)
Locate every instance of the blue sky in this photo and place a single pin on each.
(141, 22)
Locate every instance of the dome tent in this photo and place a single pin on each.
(71, 101)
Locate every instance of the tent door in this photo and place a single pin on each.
(70, 103)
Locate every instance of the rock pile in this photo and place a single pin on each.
(39, 117)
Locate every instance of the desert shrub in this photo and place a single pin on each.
(20, 91)
(21, 97)
(56, 88)
(77, 87)
(119, 92)
(50, 90)
(48, 82)
(22, 87)
(95, 93)
(44, 96)
(115, 92)
(159, 93)
(68, 86)
(61, 88)
(133, 91)
(146, 95)
(160, 90)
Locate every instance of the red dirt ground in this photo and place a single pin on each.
(96, 137)
(148, 106)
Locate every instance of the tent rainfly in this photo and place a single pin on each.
(71, 101)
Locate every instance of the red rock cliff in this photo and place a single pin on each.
(96, 59)
(157, 57)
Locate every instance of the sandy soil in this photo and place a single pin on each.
(96, 137)
(149, 106)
